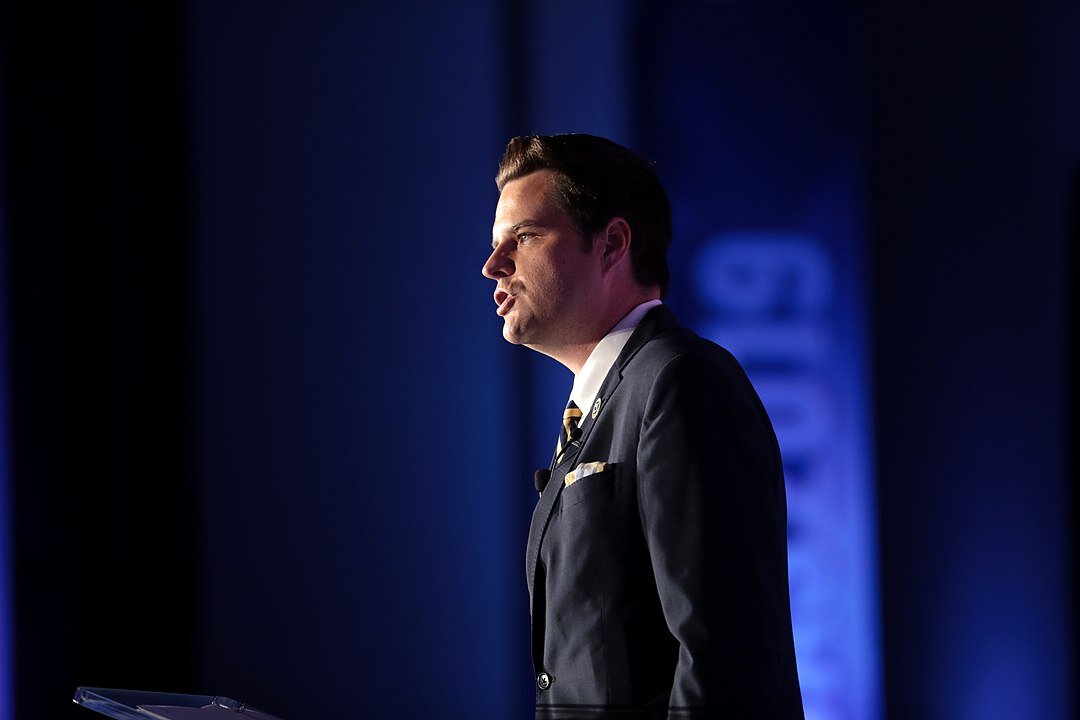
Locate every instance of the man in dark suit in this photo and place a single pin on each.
(657, 556)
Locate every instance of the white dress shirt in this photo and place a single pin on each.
(587, 382)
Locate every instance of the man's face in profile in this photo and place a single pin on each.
(544, 273)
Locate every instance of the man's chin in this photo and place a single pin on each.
(512, 335)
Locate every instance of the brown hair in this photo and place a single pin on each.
(595, 181)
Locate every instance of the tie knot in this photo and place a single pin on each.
(570, 419)
(572, 412)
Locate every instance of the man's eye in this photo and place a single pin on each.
(525, 237)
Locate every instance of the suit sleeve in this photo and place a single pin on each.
(712, 506)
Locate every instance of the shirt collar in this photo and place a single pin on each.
(587, 382)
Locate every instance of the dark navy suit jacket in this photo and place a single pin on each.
(658, 583)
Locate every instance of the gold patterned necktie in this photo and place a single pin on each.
(570, 418)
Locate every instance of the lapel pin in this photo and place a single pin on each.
(596, 408)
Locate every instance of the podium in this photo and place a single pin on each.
(137, 705)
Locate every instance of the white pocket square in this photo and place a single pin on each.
(583, 470)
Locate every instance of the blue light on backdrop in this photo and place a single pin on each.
(772, 298)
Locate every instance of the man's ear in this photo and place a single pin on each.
(614, 241)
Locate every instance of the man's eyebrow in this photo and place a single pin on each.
(513, 229)
(524, 224)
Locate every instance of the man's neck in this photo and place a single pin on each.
(574, 354)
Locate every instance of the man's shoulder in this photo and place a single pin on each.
(682, 348)
(678, 366)
(666, 350)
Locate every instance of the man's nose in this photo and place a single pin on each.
(498, 264)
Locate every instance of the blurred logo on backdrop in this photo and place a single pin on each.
(770, 298)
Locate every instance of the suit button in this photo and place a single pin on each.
(543, 681)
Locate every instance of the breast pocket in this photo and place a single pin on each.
(589, 482)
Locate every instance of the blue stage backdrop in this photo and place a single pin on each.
(752, 117)
(973, 154)
(361, 553)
